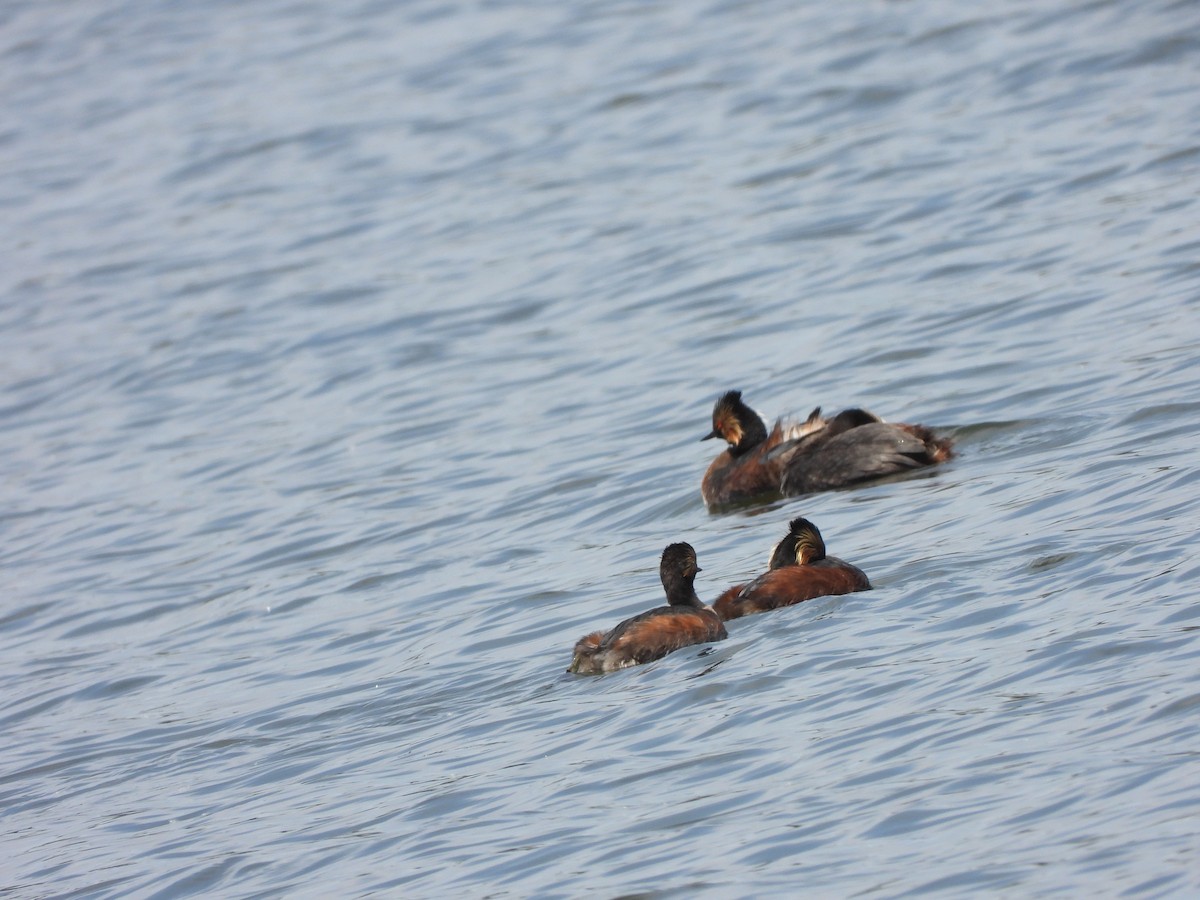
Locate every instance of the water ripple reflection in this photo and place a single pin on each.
(355, 361)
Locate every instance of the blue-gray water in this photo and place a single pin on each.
(353, 360)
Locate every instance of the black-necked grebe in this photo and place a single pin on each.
(799, 570)
(817, 454)
(658, 632)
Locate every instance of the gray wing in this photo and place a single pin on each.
(868, 451)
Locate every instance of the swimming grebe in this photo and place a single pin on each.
(817, 454)
(660, 631)
(799, 571)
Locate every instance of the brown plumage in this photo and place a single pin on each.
(653, 634)
(799, 571)
(817, 454)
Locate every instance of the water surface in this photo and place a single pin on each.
(353, 363)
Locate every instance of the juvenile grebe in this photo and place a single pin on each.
(652, 635)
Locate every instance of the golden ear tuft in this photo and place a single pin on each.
(810, 547)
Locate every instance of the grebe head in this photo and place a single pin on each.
(736, 423)
(802, 545)
(678, 570)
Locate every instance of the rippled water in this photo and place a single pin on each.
(353, 360)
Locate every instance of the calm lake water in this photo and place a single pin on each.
(353, 361)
